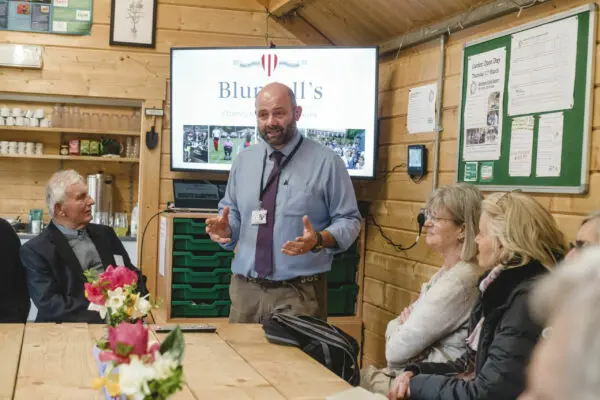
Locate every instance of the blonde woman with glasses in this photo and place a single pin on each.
(434, 327)
(518, 242)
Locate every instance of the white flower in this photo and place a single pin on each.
(141, 307)
(134, 377)
(96, 307)
(164, 364)
(116, 299)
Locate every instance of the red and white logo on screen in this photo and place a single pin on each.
(269, 63)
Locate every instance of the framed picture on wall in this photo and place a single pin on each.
(133, 23)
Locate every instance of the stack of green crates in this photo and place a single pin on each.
(201, 272)
(341, 283)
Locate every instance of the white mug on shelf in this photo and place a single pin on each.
(16, 112)
(45, 123)
(30, 148)
(39, 113)
(1, 121)
(12, 148)
(34, 122)
(39, 149)
(10, 121)
(28, 114)
(5, 111)
(4, 147)
(20, 147)
(19, 121)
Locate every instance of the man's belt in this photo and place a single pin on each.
(266, 283)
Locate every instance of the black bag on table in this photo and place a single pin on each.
(327, 344)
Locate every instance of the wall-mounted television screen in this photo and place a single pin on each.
(213, 93)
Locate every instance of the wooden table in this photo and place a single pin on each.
(55, 361)
(11, 338)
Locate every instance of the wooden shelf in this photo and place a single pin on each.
(69, 130)
(73, 158)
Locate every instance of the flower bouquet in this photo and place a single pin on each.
(114, 295)
(136, 369)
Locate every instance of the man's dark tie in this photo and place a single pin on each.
(263, 260)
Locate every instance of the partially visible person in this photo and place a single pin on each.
(216, 136)
(288, 208)
(518, 242)
(14, 297)
(565, 362)
(588, 234)
(248, 141)
(361, 161)
(227, 148)
(434, 327)
(56, 259)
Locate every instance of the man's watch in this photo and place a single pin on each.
(319, 246)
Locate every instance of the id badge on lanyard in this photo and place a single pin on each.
(259, 216)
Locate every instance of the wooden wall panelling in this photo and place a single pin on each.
(391, 276)
(149, 204)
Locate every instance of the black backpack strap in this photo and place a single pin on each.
(324, 333)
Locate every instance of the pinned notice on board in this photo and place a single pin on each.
(521, 146)
(483, 106)
(549, 145)
(421, 109)
(542, 68)
(470, 171)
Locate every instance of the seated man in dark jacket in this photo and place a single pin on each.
(56, 260)
(14, 299)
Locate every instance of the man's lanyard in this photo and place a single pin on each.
(285, 162)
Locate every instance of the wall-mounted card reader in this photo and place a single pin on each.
(417, 160)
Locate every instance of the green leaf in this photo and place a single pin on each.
(102, 343)
(174, 343)
(162, 389)
(123, 349)
(91, 275)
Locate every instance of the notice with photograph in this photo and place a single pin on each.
(549, 145)
(483, 106)
(542, 68)
(521, 146)
(421, 109)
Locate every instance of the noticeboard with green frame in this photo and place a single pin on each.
(493, 174)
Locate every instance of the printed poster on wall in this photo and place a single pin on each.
(483, 106)
(71, 17)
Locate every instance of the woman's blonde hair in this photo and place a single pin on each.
(522, 230)
(463, 203)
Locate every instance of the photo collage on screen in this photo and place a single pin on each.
(220, 144)
(215, 144)
(349, 144)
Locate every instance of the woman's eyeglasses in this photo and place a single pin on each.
(429, 216)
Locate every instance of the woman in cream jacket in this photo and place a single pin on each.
(434, 327)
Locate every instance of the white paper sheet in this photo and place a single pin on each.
(421, 108)
(521, 146)
(549, 145)
(483, 106)
(162, 244)
(542, 68)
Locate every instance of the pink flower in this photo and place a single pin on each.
(127, 339)
(94, 294)
(118, 277)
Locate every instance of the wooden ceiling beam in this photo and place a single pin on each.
(293, 22)
(279, 8)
